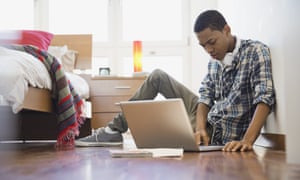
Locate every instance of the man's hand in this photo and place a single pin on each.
(202, 137)
(238, 146)
(261, 113)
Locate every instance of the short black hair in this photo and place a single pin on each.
(209, 19)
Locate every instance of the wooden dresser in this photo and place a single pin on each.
(106, 92)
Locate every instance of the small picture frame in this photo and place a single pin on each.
(104, 71)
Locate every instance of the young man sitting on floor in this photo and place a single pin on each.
(236, 95)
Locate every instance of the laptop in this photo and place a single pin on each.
(161, 124)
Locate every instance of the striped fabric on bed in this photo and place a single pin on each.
(68, 104)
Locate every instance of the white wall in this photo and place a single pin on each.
(276, 23)
(291, 87)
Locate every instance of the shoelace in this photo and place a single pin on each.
(95, 132)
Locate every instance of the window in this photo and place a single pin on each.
(154, 20)
(162, 26)
(150, 63)
(17, 14)
(79, 17)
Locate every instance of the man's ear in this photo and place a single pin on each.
(227, 29)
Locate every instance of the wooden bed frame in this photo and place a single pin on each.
(37, 121)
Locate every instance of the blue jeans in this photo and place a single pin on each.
(160, 82)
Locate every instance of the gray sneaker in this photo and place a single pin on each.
(100, 138)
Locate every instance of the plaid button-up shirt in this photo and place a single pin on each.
(232, 91)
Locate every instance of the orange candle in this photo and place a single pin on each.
(137, 56)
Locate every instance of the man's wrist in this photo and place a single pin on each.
(248, 141)
(201, 130)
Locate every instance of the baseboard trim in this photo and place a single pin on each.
(272, 141)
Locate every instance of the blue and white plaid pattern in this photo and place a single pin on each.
(233, 91)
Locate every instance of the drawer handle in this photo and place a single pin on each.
(122, 87)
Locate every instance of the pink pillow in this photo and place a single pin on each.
(40, 39)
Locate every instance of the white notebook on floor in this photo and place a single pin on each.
(148, 152)
(161, 124)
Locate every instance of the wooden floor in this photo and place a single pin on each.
(43, 161)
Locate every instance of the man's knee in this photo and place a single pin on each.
(157, 73)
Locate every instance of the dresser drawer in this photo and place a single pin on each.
(101, 119)
(115, 87)
(105, 92)
(107, 103)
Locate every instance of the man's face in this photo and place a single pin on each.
(214, 42)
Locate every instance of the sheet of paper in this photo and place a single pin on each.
(128, 153)
(165, 152)
(211, 148)
(147, 152)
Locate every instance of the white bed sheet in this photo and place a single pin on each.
(19, 69)
(79, 84)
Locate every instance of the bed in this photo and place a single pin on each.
(80, 43)
(36, 118)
